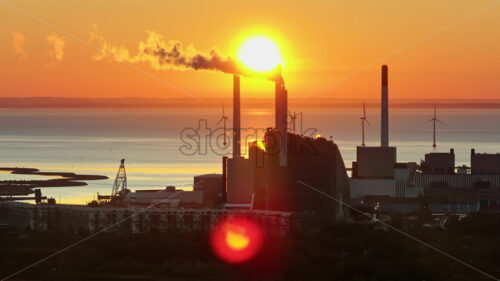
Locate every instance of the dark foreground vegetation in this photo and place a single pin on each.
(338, 252)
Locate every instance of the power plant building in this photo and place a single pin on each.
(374, 162)
(316, 162)
(439, 163)
(376, 171)
(238, 171)
(212, 187)
(240, 176)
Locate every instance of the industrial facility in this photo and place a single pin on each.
(380, 181)
(269, 178)
(462, 189)
(376, 172)
(266, 184)
(271, 183)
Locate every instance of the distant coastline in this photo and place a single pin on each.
(25, 187)
(55, 102)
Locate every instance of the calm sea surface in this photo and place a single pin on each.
(92, 141)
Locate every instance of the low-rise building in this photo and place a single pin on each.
(484, 163)
(439, 163)
(79, 218)
(213, 189)
(169, 197)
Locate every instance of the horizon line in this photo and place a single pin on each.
(216, 102)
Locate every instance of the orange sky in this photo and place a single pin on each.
(320, 43)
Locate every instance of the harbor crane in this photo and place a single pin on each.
(119, 188)
(120, 185)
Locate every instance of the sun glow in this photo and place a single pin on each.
(259, 54)
(236, 239)
(261, 144)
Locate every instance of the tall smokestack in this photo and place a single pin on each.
(281, 109)
(236, 117)
(283, 158)
(384, 139)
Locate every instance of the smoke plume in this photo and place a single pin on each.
(167, 54)
(18, 40)
(57, 46)
(161, 54)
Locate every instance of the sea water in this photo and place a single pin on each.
(157, 153)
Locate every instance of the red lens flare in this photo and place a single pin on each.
(236, 240)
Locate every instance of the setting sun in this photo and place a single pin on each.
(260, 54)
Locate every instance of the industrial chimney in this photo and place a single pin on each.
(384, 136)
(281, 110)
(236, 117)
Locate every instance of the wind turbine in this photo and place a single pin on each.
(434, 120)
(293, 118)
(301, 118)
(363, 120)
(224, 119)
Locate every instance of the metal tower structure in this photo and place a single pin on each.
(120, 181)
(223, 119)
(434, 120)
(363, 121)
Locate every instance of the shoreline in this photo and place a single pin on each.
(25, 187)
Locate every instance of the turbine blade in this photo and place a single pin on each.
(218, 123)
(439, 121)
(368, 122)
(429, 121)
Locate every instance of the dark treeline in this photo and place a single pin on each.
(337, 252)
